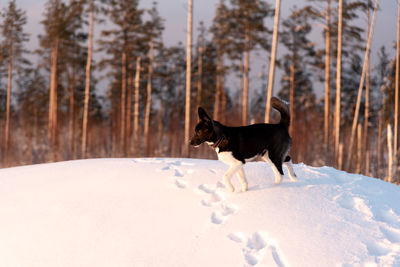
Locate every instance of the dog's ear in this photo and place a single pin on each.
(203, 115)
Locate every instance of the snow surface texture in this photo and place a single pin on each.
(176, 212)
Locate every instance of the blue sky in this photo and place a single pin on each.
(174, 13)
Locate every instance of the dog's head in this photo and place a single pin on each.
(204, 131)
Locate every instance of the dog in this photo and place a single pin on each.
(257, 142)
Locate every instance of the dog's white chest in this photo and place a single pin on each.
(227, 157)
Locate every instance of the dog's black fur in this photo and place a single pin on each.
(248, 143)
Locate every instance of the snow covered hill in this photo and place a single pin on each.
(176, 212)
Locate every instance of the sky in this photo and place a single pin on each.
(175, 14)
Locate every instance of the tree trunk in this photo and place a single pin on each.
(200, 71)
(366, 111)
(148, 100)
(8, 107)
(136, 109)
(52, 123)
(359, 149)
(338, 79)
(353, 129)
(379, 145)
(188, 78)
(246, 78)
(128, 132)
(390, 153)
(71, 114)
(241, 86)
(87, 82)
(272, 62)
(217, 100)
(123, 103)
(396, 105)
(327, 74)
(223, 98)
(291, 96)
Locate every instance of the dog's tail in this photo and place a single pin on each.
(283, 108)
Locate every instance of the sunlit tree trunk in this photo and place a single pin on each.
(200, 71)
(366, 111)
(217, 100)
(327, 74)
(8, 105)
(272, 63)
(136, 108)
(291, 96)
(148, 100)
(241, 81)
(123, 103)
(223, 99)
(390, 153)
(87, 82)
(356, 113)
(52, 123)
(128, 132)
(396, 105)
(246, 79)
(188, 78)
(71, 114)
(338, 79)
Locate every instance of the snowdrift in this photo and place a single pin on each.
(176, 212)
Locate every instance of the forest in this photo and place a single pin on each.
(55, 108)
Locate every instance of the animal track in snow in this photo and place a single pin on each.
(238, 237)
(354, 203)
(220, 216)
(388, 216)
(378, 249)
(391, 234)
(181, 184)
(258, 249)
(217, 217)
(215, 198)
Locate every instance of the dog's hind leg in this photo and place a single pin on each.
(242, 179)
(292, 174)
(276, 168)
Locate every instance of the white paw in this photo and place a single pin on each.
(244, 187)
(229, 187)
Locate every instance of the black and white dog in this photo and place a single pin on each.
(258, 142)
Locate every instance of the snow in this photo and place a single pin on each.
(176, 212)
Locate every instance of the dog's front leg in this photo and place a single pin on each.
(228, 175)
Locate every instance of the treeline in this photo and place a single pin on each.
(55, 108)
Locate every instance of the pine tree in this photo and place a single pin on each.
(249, 30)
(12, 24)
(361, 84)
(296, 82)
(219, 30)
(60, 27)
(123, 44)
(73, 64)
(323, 15)
(154, 28)
(327, 14)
